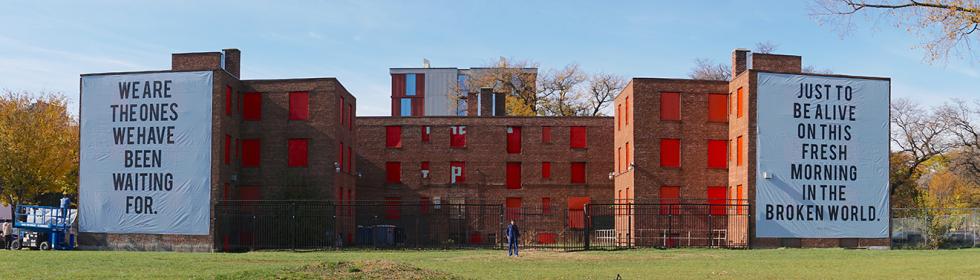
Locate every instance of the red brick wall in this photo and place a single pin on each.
(485, 156)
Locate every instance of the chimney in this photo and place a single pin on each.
(740, 61)
(425, 63)
(232, 61)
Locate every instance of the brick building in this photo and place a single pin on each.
(271, 139)
(691, 141)
(535, 164)
(449, 91)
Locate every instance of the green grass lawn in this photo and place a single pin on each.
(494, 264)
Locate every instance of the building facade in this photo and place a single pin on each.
(271, 140)
(453, 91)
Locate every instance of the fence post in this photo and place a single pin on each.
(587, 217)
(711, 230)
(292, 210)
(629, 225)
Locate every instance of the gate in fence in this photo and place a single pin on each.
(308, 225)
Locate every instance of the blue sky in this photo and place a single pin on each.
(45, 45)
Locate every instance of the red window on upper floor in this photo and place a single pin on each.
(578, 172)
(546, 134)
(717, 108)
(513, 175)
(619, 117)
(251, 153)
(227, 150)
(237, 145)
(393, 207)
(297, 152)
(350, 118)
(627, 157)
(393, 136)
(457, 136)
(619, 159)
(578, 137)
(717, 153)
(576, 211)
(670, 199)
(546, 170)
(457, 172)
(626, 110)
(513, 208)
(670, 106)
(546, 205)
(514, 140)
(340, 110)
(739, 160)
(340, 156)
(716, 198)
(424, 169)
(393, 171)
(740, 102)
(299, 105)
(670, 152)
(228, 101)
(252, 107)
(426, 132)
(350, 154)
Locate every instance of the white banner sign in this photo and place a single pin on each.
(146, 153)
(822, 156)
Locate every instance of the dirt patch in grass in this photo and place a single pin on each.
(372, 269)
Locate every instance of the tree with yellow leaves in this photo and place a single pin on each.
(38, 147)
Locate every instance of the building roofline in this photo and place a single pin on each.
(826, 75)
(146, 72)
(680, 80)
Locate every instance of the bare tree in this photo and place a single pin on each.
(964, 121)
(705, 69)
(946, 26)
(810, 69)
(561, 90)
(603, 88)
(513, 77)
(919, 135)
(766, 47)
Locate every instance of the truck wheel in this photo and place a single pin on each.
(15, 245)
(44, 246)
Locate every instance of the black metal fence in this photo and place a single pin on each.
(310, 225)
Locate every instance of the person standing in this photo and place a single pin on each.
(513, 235)
(65, 203)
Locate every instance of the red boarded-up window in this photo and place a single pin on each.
(340, 155)
(227, 100)
(546, 205)
(576, 211)
(457, 172)
(546, 170)
(577, 135)
(619, 117)
(424, 205)
(350, 121)
(393, 208)
(670, 152)
(249, 193)
(578, 173)
(297, 152)
(426, 131)
(299, 105)
(670, 106)
(457, 136)
(738, 151)
(513, 208)
(251, 153)
(513, 175)
(341, 107)
(350, 152)
(716, 198)
(670, 199)
(619, 159)
(717, 108)
(546, 134)
(717, 153)
(393, 136)
(627, 157)
(227, 149)
(514, 140)
(393, 171)
(626, 111)
(424, 169)
(252, 106)
(740, 102)
(739, 199)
